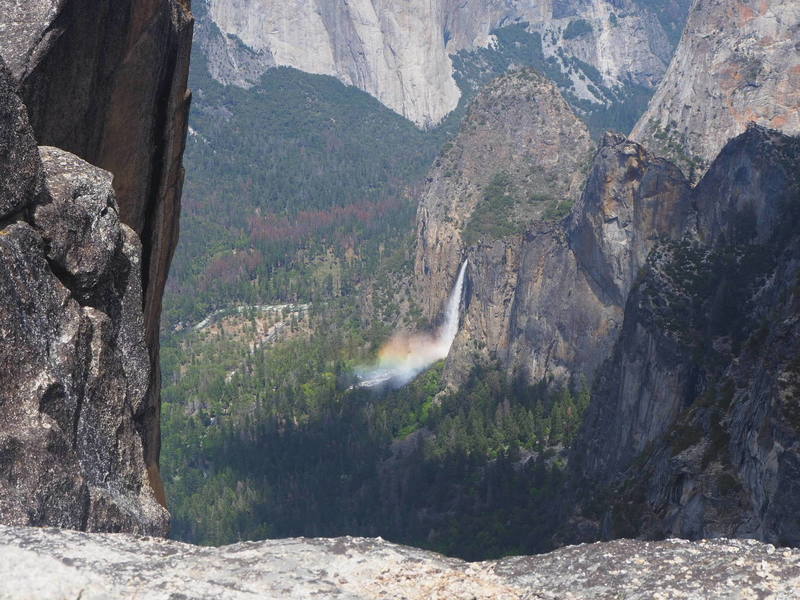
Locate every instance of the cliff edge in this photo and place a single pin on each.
(737, 62)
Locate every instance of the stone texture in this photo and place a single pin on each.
(54, 565)
(381, 47)
(701, 393)
(572, 288)
(399, 52)
(631, 199)
(738, 61)
(80, 221)
(519, 126)
(20, 175)
(106, 81)
(76, 370)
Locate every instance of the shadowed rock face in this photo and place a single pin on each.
(737, 62)
(59, 564)
(20, 169)
(75, 367)
(106, 81)
(519, 127)
(694, 426)
(508, 165)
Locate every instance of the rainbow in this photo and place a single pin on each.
(406, 355)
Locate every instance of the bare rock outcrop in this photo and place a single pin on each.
(400, 52)
(20, 168)
(53, 565)
(106, 81)
(545, 292)
(693, 429)
(631, 199)
(75, 367)
(522, 151)
(737, 62)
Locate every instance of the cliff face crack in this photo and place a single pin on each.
(153, 199)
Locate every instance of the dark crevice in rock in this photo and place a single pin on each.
(153, 199)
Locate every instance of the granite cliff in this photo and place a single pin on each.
(89, 223)
(75, 364)
(678, 300)
(680, 303)
(401, 52)
(737, 62)
(550, 265)
(693, 427)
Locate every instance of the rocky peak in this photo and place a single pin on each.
(737, 62)
(574, 280)
(546, 285)
(737, 197)
(631, 199)
(520, 156)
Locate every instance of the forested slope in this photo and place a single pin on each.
(295, 265)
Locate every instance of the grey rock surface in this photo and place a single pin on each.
(693, 429)
(400, 52)
(81, 221)
(631, 199)
(549, 300)
(571, 292)
(520, 127)
(107, 81)
(75, 367)
(737, 62)
(20, 172)
(50, 564)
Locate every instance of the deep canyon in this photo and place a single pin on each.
(613, 315)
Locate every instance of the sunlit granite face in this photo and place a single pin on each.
(400, 52)
(737, 62)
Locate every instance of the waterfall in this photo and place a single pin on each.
(452, 315)
(405, 356)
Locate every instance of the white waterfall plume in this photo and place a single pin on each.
(405, 356)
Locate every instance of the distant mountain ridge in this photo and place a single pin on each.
(400, 53)
(674, 291)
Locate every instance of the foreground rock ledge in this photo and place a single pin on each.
(55, 564)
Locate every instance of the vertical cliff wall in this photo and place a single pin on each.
(693, 429)
(507, 169)
(547, 280)
(75, 367)
(737, 62)
(90, 229)
(400, 52)
(107, 82)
